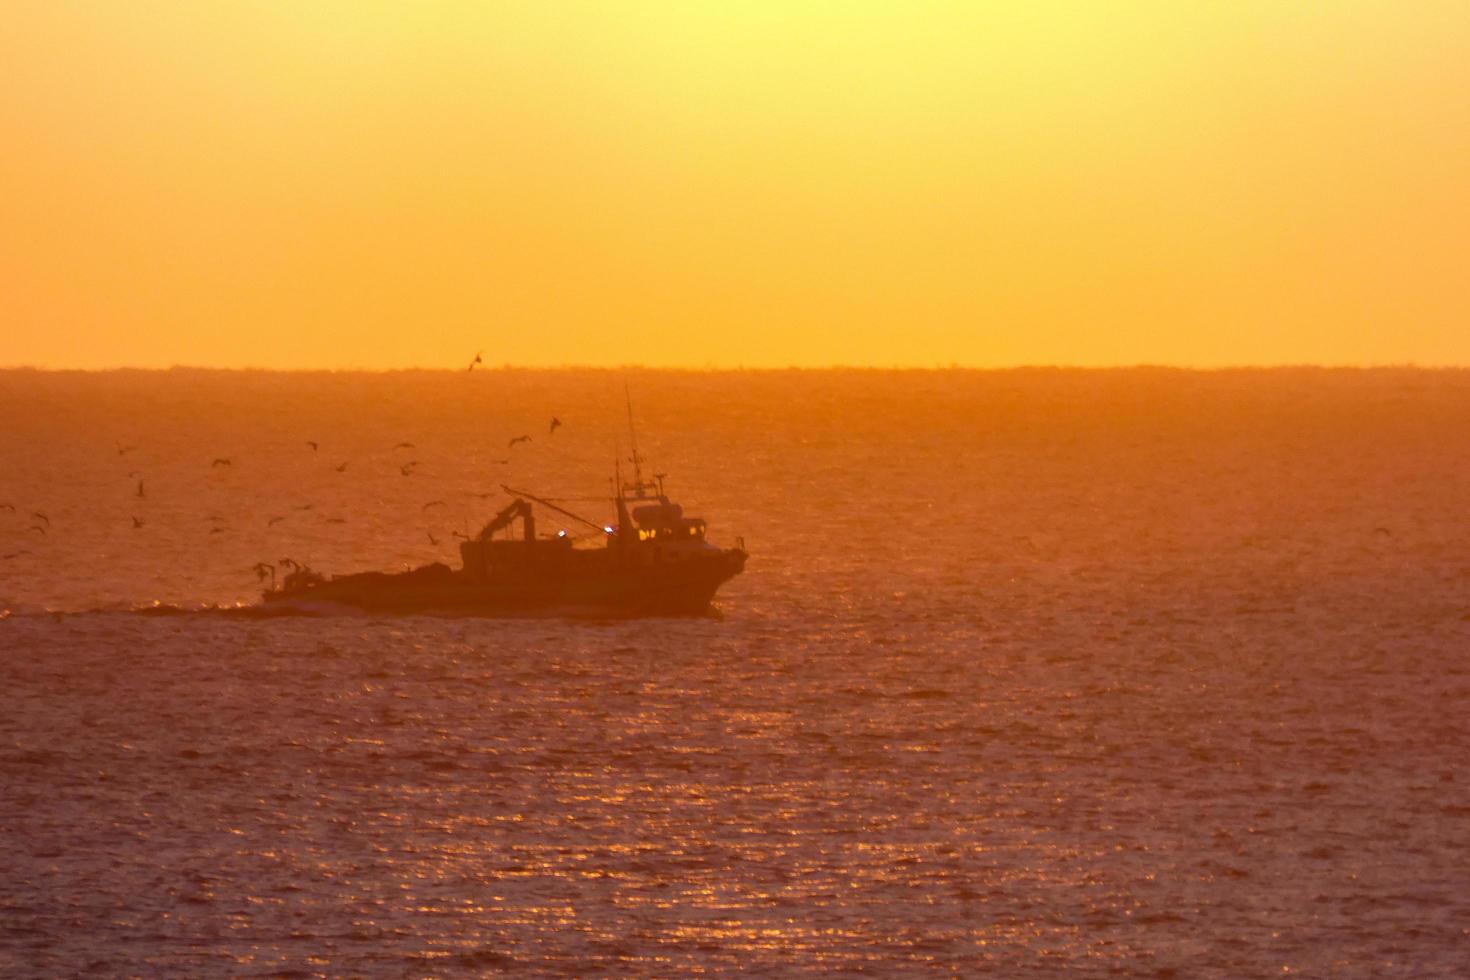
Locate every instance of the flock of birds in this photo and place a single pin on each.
(41, 522)
(36, 515)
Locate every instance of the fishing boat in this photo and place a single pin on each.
(652, 560)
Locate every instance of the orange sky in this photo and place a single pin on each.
(382, 185)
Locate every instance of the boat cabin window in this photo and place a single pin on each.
(686, 530)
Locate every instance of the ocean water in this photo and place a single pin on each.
(1031, 673)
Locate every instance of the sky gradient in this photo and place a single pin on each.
(381, 185)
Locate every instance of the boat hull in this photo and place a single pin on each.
(595, 586)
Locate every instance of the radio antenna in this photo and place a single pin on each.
(633, 434)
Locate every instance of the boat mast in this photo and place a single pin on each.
(633, 434)
(640, 487)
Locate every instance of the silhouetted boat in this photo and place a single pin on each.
(653, 561)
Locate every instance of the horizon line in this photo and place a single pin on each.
(741, 368)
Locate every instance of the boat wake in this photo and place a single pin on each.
(317, 609)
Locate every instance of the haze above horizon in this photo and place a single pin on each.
(378, 185)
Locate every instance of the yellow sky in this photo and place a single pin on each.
(383, 185)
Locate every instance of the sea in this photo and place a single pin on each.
(1030, 673)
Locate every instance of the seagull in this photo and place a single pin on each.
(478, 360)
(305, 506)
(140, 488)
(124, 450)
(274, 521)
(16, 554)
(432, 540)
(217, 530)
(555, 424)
(37, 527)
(222, 461)
(433, 503)
(342, 468)
(312, 444)
(37, 513)
(407, 468)
(137, 524)
(519, 439)
(459, 535)
(404, 445)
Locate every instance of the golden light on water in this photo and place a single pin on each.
(389, 185)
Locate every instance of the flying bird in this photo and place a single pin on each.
(37, 527)
(518, 439)
(478, 360)
(312, 444)
(433, 503)
(41, 516)
(137, 524)
(341, 469)
(336, 520)
(407, 468)
(404, 445)
(217, 530)
(124, 450)
(555, 424)
(305, 506)
(432, 540)
(222, 461)
(274, 521)
(16, 554)
(140, 488)
(9, 507)
(483, 496)
(459, 535)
